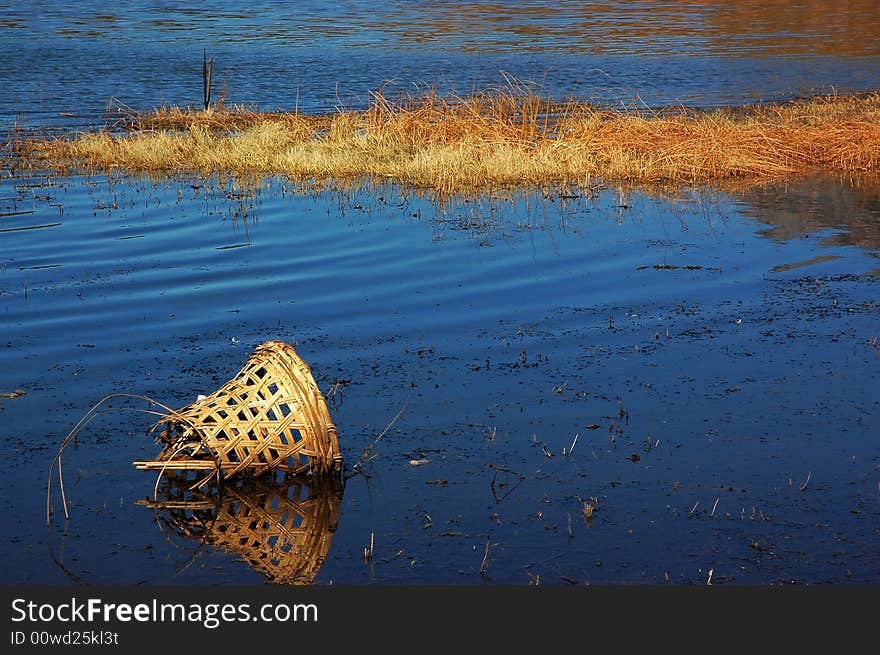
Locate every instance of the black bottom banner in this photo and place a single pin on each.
(335, 617)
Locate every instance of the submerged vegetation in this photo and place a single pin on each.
(499, 138)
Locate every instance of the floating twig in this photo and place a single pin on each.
(807, 481)
(366, 454)
(484, 566)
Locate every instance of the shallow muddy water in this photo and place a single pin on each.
(715, 358)
(596, 385)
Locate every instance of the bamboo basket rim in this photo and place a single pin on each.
(270, 416)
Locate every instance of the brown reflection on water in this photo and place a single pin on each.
(715, 27)
(282, 529)
(843, 28)
(750, 27)
(804, 207)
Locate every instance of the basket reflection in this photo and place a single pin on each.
(281, 527)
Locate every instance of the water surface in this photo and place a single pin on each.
(64, 62)
(709, 353)
(697, 367)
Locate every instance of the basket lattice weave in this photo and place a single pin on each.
(282, 531)
(270, 416)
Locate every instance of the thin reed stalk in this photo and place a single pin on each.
(87, 418)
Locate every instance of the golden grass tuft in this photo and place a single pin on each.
(495, 139)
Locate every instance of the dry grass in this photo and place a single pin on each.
(496, 139)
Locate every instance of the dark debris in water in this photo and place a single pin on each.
(681, 411)
(672, 267)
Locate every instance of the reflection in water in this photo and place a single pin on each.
(803, 207)
(781, 27)
(281, 528)
(71, 60)
(750, 27)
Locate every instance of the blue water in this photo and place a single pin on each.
(63, 62)
(714, 352)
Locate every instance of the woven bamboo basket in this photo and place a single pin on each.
(270, 416)
(282, 530)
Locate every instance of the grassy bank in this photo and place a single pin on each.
(497, 139)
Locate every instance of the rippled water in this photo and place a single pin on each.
(700, 367)
(704, 348)
(69, 58)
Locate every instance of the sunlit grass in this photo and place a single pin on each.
(505, 138)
